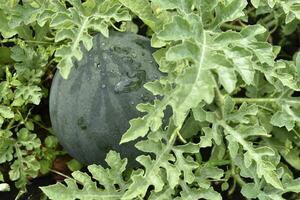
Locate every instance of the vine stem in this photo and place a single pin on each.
(241, 141)
(267, 100)
(267, 19)
(220, 97)
(10, 124)
(232, 26)
(237, 177)
(271, 24)
(218, 162)
(112, 24)
(180, 137)
(255, 100)
(59, 173)
(16, 40)
(65, 176)
(44, 127)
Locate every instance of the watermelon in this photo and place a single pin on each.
(91, 109)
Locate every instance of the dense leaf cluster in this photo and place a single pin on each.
(232, 92)
(23, 64)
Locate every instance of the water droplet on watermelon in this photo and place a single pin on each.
(128, 59)
(103, 86)
(103, 44)
(132, 81)
(122, 86)
(134, 55)
(82, 123)
(132, 102)
(99, 66)
(131, 74)
(144, 97)
(155, 77)
(114, 71)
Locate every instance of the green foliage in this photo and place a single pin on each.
(233, 94)
(109, 178)
(19, 144)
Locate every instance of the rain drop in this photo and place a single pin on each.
(103, 86)
(103, 43)
(128, 59)
(144, 97)
(155, 77)
(131, 82)
(122, 85)
(131, 102)
(134, 55)
(131, 74)
(82, 123)
(99, 66)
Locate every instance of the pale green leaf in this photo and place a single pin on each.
(292, 10)
(178, 29)
(242, 61)
(193, 193)
(163, 195)
(227, 78)
(5, 30)
(293, 185)
(206, 140)
(6, 112)
(6, 146)
(282, 119)
(137, 129)
(186, 50)
(109, 178)
(229, 12)
(143, 9)
(250, 190)
(272, 178)
(233, 146)
(4, 187)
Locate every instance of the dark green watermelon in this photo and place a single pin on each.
(91, 109)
